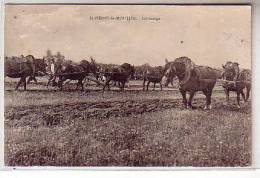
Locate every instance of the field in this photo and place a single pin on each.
(47, 127)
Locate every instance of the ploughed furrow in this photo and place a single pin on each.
(51, 115)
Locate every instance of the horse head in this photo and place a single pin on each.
(94, 68)
(230, 71)
(128, 68)
(85, 65)
(168, 74)
(40, 66)
(180, 67)
(167, 65)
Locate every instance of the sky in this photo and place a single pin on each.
(209, 35)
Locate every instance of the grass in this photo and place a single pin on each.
(131, 128)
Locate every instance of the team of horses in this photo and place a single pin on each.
(192, 78)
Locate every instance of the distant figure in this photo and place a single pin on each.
(53, 71)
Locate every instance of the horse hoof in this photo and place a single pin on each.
(190, 107)
(209, 107)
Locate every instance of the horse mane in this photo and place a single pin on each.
(84, 64)
(30, 56)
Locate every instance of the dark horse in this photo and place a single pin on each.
(236, 81)
(192, 78)
(23, 68)
(76, 72)
(154, 75)
(121, 74)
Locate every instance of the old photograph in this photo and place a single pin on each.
(127, 85)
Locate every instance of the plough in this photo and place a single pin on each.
(93, 80)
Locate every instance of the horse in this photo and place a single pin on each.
(120, 74)
(24, 67)
(192, 78)
(154, 75)
(236, 81)
(76, 72)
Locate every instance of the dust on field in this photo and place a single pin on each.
(131, 128)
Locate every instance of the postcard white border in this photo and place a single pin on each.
(255, 88)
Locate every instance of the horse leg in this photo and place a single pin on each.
(60, 83)
(227, 96)
(78, 83)
(161, 85)
(107, 84)
(35, 80)
(29, 80)
(19, 83)
(97, 78)
(238, 99)
(49, 81)
(243, 95)
(24, 83)
(207, 93)
(81, 84)
(148, 83)
(123, 85)
(144, 83)
(53, 81)
(190, 99)
(209, 98)
(248, 88)
(119, 84)
(154, 86)
(172, 83)
(184, 100)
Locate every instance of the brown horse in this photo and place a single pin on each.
(23, 68)
(154, 75)
(192, 78)
(76, 72)
(236, 81)
(120, 74)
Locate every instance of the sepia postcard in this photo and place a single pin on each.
(127, 85)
